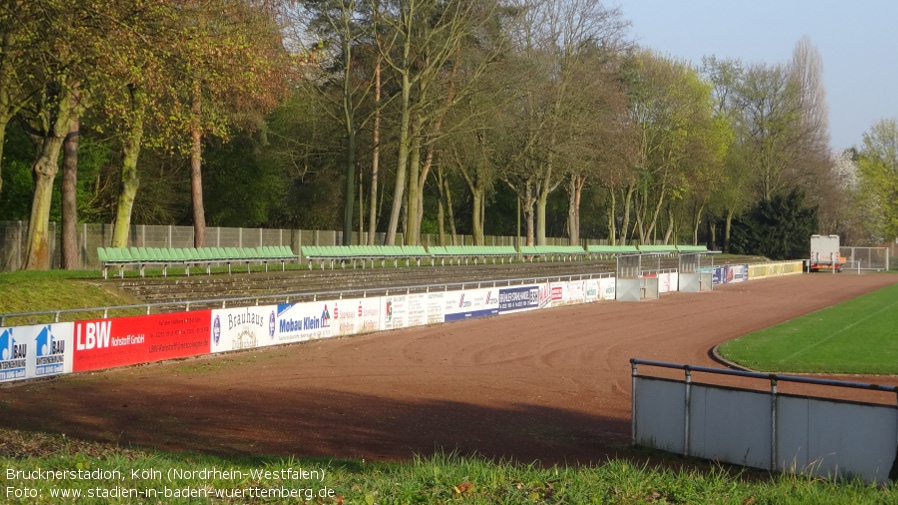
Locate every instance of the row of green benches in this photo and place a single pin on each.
(141, 257)
(361, 253)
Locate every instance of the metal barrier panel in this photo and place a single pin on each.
(660, 422)
(690, 282)
(826, 437)
(627, 290)
(820, 436)
(649, 288)
(729, 425)
(706, 281)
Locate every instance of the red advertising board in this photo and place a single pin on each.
(105, 343)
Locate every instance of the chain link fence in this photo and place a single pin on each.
(866, 258)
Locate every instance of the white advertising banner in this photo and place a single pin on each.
(591, 290)
(298, 322)
(416, 309)
(243, 328)
(524, 297)
(395, 312)
(354, 316)
(42, 350)
(607, 288)
(471, 303)
(567, 292)
(664, 283)
(435, 308)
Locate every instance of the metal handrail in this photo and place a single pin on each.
(313, 294)
(762, 375)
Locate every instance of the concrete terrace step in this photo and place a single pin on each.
(164, 290)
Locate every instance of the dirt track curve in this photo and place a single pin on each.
(550, 385)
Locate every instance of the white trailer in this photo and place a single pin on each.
(825, 253)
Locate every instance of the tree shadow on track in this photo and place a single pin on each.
(253, 421)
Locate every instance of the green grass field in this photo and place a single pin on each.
(855, 337)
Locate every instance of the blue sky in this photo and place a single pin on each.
(858, 41)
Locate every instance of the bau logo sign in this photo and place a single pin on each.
(12, 356)
(50, 352)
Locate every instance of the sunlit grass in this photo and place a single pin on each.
(856, 337)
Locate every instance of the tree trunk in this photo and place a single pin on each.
(422, 180)
(130, 180)
(403, 155)
(575, 192)
(196, 189)
(44, 170)
(350, 187)
(528, 213)
(670, 227)
(441, 210)
(696, 222)
(541, 204)
(625, 223)
(453, 233)
(362, 239)
(612, 214)
(653, 225)
(413, 234)
(70, 198)
(477, 215)
(349, 122)
(196, 175)
(37, 252)
(726, 231)
(375, 157)
(4, 121)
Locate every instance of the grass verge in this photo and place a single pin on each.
(112, 474)
(853, 337)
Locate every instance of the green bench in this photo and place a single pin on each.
(353, 254)
(465, 253)
(553, 252)
(165, 257)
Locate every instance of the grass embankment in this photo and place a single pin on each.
(55, 290)
(441, 479)
(854, 337)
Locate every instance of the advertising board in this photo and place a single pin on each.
(519, 298)
(42, 350)
(355, 315)
(395, 312)
(13, 354)
(607, 288)
(298, 322)
(105, 343)
(243, 328)
(471, 303)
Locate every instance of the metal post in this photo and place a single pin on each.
(773, 463)
(686, 440)
(633, 366)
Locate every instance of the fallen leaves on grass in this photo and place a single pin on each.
(16, 444)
